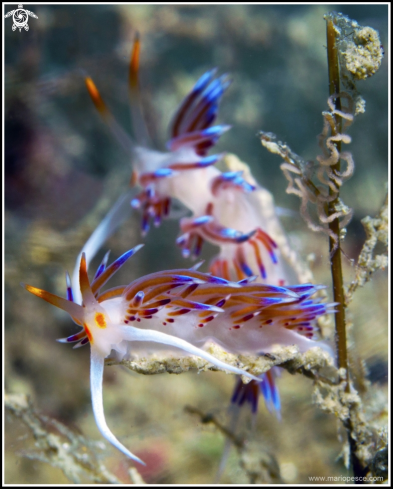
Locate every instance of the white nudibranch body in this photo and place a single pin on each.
(183, 310)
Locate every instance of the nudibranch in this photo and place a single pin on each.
(224, 209)
(183, 309)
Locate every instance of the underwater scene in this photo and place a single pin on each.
(233, 159)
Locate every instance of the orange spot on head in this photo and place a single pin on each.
(100, 320)
(88, 332)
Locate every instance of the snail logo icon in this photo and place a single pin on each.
(20, 16)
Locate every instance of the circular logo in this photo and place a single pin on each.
(20, 16)
(20, 19)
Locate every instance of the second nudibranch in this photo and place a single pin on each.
(224, 209)
(183, 309)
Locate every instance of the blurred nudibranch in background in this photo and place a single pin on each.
(225, 206)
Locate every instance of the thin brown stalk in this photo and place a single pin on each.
(335, 249)
(334, 226)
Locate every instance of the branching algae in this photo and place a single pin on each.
(354, 53)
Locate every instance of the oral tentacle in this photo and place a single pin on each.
(96, 377)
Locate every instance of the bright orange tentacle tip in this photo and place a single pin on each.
(87, 293)
(75, 310)
(134, 63)
(95, 96)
